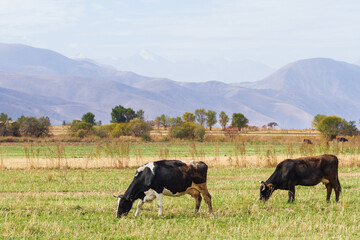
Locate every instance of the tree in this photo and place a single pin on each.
(88, 118)
(176, 121)
(184, 131)
(331, 126)
(8, 128)
(140, 114)
(138, 127)
(189, 117)
(211, 118)
(163, 120)
(4, 118)
(200, 116)
(317, 119)
(272, 124)
(239, 121)
(349, 128)
(224, 119)
(33, 127)
(120, 114)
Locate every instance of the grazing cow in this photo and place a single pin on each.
(307, 141)
(306, 171)
(342, 139)
(165, 177)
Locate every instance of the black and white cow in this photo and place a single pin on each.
(305, 171)
(165, 177)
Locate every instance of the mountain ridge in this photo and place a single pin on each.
(291, 96)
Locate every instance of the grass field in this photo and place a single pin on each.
(173, 149)
(79, 204)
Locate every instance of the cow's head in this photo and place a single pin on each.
(124, 206)
(265, 191)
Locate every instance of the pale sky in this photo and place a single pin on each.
(274, 32)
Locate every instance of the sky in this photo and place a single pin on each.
(274, 32)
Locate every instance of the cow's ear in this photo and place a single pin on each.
(270, 186)
(262, 186)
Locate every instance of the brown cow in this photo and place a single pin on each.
(305, 171)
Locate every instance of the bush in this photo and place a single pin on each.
(33, 127)
(199, 132)
(80, 129)
(146, 137)
(10, 129)
(121, 129)
(101, 132)
(138, 127)
(184, 131)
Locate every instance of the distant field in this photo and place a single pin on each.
(253, 152)
(78, 204)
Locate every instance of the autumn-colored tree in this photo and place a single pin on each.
(188, 117)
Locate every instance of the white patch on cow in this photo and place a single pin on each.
(118, 203)
(150, 165)
(140, 203)
(188, 162)
(325, 181)
(167, 192)
(149, 195)
(159, 198)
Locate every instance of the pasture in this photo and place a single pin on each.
(79, 204)
(64, 190)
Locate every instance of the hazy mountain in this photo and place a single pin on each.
(64, 89)
(317, 85)
(26, 59)
(150, 64)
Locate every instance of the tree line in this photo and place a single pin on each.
(125, 122)
(128, 122)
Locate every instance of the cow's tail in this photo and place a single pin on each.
(339, 184)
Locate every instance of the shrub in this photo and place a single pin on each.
(101, 132)
(199, 132)
(80, 129)
(184, 131)
(33, 127)
(146, 137)
(138, 127)
(121, 129)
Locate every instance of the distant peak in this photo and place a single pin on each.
(147, 55)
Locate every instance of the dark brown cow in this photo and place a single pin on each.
(169, 178)
(342, 139)
(305, 171)
(307, 141)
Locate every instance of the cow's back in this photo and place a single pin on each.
(177, 176)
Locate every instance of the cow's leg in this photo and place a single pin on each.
(291, 194)
(159, 198)
(197, 196)
(337, 188)
(207, 197)
(328, 189)
(139, 205)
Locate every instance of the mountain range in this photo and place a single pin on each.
(37, 82)
(150, 64)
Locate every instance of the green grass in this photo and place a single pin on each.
(170, 149)
(79, 204)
